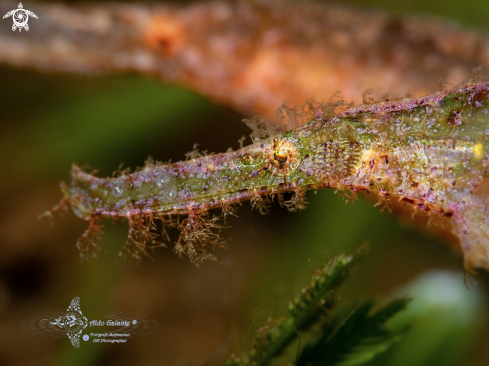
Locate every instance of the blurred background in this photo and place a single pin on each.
(49, 121)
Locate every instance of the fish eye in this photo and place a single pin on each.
(280, 157)
(284, 153)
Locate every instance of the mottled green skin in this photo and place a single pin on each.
(200, 183)
(208, 181)
(430, 152)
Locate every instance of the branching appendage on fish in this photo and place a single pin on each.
(429, 152)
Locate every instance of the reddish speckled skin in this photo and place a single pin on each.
(429, 152)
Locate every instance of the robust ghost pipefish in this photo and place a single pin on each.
(429, 152)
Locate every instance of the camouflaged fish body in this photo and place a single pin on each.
(429, 152)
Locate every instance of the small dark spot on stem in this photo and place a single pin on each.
(408, 200)
(454, 118)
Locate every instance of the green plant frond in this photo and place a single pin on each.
(358, 338)
(346, 341)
